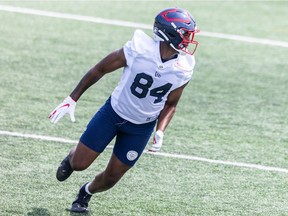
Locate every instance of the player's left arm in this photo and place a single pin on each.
(165, 117)
(169, 109)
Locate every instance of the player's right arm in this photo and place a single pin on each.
(110, 63)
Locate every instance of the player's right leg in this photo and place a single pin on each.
(64, 169)
(98, 134)
(78, 159)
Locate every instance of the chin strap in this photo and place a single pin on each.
(166, 39)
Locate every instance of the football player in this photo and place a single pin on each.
(155, 72)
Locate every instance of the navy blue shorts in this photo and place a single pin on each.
(131, 139)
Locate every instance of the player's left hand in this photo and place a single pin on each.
(157, 141)
(67, 106)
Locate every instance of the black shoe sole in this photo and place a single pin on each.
(64, 170)
(77, 208)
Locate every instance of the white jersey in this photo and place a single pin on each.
(146, 81)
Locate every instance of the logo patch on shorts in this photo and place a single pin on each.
(132, 155)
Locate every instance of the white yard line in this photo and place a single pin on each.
(136, 25)
(170, 155)
(142, 26)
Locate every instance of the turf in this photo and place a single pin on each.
(234, 109)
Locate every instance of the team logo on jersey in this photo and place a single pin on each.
(132, 155)
(157, 74)
(183, 66)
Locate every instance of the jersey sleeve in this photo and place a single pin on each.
(186, 66)
(139, 44)
(129, 53)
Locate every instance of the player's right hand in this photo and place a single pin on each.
(67, 106)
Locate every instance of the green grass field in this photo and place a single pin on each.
(234, 109)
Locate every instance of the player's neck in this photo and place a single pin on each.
(166, 51)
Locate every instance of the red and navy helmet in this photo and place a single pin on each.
(176, 27)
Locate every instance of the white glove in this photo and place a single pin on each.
(67, 106)
(157, 141)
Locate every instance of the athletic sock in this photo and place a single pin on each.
(87, 190)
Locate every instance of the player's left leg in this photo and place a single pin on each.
(130, 143)
(110, 176)
(103, 181)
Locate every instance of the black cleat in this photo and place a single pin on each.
(64, 170)
(78, 208)
(80, 205)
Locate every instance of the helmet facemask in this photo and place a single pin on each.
(177, 28)
(187, 39)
